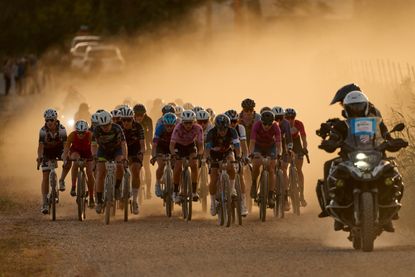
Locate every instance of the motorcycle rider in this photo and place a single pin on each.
(356, 104)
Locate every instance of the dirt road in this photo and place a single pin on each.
(153, 245)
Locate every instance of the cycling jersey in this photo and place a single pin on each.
(79, 145)
(265, 138)
(160, 121)
(217, 143)
(182, 136)
(286, 134)
(240, 129)
(52, 141)
(147, 124)
(109, 141)
(297, 129)
(209, 127)
(162, 139)
(248, 122)
(133, 137)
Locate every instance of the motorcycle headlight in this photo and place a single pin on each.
(362, 165)
(361, 156)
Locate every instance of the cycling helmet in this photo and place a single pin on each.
(343, 91)
(202, 115)
(139, 108)
(290, 112)
(50, 114)
(187, 106)
(265, 109)
(197, 108)
(222, 122)
(232, 114)
(188, 115)
(81, 126)
(248, 104)
(104, 118)
(172, 104)
(94, 118)
(122, 106)
(126, 112)
(99, 111)
(267, 117)
(116, 113)
(356, 104)
(211, 112)
(178, 110)
(278, 111)
(168, 109)
(169, 119)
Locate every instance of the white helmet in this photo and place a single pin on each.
(115, 113)
(197, 108)
(188, 115)
(202, 115)
(104, 118)
(278, 111)
(126, 112)
(94, 118)
(356, 104)
(81, 126)
(50, 114)
(187, 106)
(178, 111)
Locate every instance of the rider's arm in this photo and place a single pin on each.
(67, 146)
(171, 147)
(242, 138)
(303, 135)
(142, 146)
(277, 135)
(40, 150)
(252, 141)
(124, 149)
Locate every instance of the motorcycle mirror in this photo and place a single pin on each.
(398, 128)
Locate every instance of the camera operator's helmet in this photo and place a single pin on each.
(356, 104)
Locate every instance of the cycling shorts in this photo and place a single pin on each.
(106, 155)
(185, 150)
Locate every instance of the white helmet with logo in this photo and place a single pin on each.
(278, 111)
(202, 115)
(104, 118)
(356, 104)
(50, 114)
(81, 126)
(188, 116)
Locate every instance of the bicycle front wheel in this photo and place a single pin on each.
(53, 195)
(280, 199)
(263, 196)
(80, 196)
(189, 196)
(168, 192)
(294, 191)
(238, 199)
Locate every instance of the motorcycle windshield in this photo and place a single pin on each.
(363, 133)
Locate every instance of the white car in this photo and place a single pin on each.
(102, 58)
(79, 39)
(78, 53)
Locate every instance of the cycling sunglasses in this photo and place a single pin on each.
(81, 133)
(127, 119)
(202, 121)
(106, 125)
(248, 110)
(267, 124)
(50, 120)
(289, 117)
(234, 121)
(188, 123)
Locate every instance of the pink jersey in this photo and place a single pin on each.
(265, 138)
(184, 137)
(297, 129)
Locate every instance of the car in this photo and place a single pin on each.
(79, 39)
(78, 53)
(103, 59)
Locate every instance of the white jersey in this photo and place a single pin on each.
(240, 129)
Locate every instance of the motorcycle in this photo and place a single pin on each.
(363, 190)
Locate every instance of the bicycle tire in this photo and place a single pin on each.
(189, 196)
(279, 208)
(126, 195)
(263, 196)
(184, 199)
(169, 191)
(226, 200)
(238, 201)
(79, 196)
(204, 187)
(107, 212)
(294, 191)
(53, 194)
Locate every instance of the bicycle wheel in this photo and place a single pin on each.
(294, 191)
(53, 195)
(184, 198)
(263, 196)
(220, 195)
(79, 196)
(108, 199)
(189, 196)
(226, 200)
(204, 187)
(238, 202)
(126, 194)
(168, 191)
(280, 197)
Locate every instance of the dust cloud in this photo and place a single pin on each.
(298, 63)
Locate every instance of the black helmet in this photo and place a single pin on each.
(248, 104)
(139, 108)
(222, 122)
(265, 109)
(290, 112)
(267, 117)
(168, 109)
(343, 91)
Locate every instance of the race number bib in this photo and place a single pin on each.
(363, 126)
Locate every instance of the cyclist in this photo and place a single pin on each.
(220, 140)
(299, 148)
(187, 106)
(178, 111)
(248, 116)
(212, 115)
(265, 141)
(234, 117)
(166, 109)
(134, 137)
(197, 108)
(263, 109)
(202, 118)
(78, 146)
(287, 146)
(116, 116)
(108, 143)
(183, 144)
(52, 137)
(161, 142)
(140, 116)
(82, 113)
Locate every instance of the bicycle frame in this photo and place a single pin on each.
(109, 189)
(54, 193)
